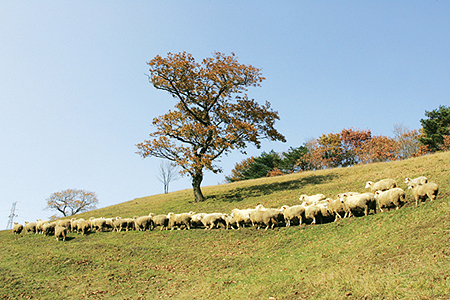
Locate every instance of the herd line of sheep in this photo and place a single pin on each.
(385, 194)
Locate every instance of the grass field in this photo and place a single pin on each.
(403, 254)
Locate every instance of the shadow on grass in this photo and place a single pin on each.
(239, 194)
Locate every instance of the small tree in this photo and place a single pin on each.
(408, 141)
(167, 173)
(293, 160)
(72, 201)
(237, 173)
(435, 128)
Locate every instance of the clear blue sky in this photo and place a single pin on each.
(75, 99)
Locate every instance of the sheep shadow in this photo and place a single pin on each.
(69, 238)
(258, 190)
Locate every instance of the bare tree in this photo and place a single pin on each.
(72, 201)
(167, 173)
(408, 141)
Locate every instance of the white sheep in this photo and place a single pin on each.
(391, 198)
(82, 226)
(229, 221)
(424, 191)
(39, 224)
(48, 228)
(312, 212)
(295, 212)
(17, 228)
(60, 232)
(358, 204)
(73, 224)
(382, 185)
(145, 222)
(99, 224)
(127, 224)
(212, 220)
(178, 220)
(416, 181)
(196, 219)
(65, 223)
(161, 220)
(109, 224)
(336, 207)
(242, 216)
(266, 216)
(30, 227)
(311, 199)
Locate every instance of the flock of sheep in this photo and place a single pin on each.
(385, 194)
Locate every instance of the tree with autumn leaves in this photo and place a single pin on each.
(212, 115)
(347, 148)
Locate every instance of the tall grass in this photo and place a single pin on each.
(401, 254)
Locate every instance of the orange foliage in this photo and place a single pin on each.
(274, 172)
(378, 149)
(207, 121)
(446, 143)
(239, 168)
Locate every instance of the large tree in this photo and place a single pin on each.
(212, 116)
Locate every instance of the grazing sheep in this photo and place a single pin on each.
(196, 220)
(326, 215)
(272, 217)
(144, 223)
(422, 192)
(266, 217)
(30, 227)
(212, 220)
(48, 228)
(382, 185)
(65, 223)
(99, 224)
(391, 198)
(17, 228)
(421, 180)
(312, 212)
(73, 224)
(161, 220)
(60, 232)
(109, 224)
(311, 199)
(242, 216)
(336, 207)
(295, 212)
(178, 220)
(82, 226)
(127, 224)
(229, 221)
(39, 224)
(357, 204)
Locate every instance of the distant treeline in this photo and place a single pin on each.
(351, 147)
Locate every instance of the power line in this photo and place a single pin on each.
(11, 216)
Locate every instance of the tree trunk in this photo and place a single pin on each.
(196, 182)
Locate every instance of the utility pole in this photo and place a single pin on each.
(11, 216)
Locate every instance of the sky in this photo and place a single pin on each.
(75, 98)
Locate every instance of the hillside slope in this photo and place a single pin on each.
(395, 255)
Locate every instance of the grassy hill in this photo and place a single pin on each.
(402, 254)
